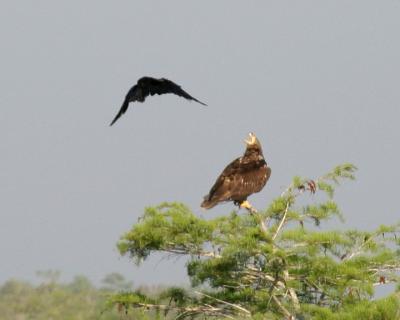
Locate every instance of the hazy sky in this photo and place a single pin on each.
(317, 81)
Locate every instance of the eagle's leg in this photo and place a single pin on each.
(253, 211)
(245, 204)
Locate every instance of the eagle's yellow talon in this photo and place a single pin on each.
(241, 178)
(245, 204)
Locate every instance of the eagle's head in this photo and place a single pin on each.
(253, 144)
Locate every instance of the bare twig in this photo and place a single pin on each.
(253, 211)
(285, 311)
(225, 302)
(282, 221)
(358, 251)
(208, 254)
(185, 251)
(253, 272)
(292, 292)
(205, 309)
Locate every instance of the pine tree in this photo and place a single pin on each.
(271, 264)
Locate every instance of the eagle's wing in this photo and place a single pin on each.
(161, 86)
(238, 180)
(249, 178)
(134, 94)
(223, 179)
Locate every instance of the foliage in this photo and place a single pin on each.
(116, 282)
(269, 264)
(77, 300)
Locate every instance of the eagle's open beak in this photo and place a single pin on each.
(251, 140)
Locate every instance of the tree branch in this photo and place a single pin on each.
(292, 292)
(253, 211)
(285, 311)
(225, 302)
(282, 221)
(205, 309)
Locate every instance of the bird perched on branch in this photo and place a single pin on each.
(241, 178)
(150, 86)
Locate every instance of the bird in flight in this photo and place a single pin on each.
(241, 178)
(150, 86)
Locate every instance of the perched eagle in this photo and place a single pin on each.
(150, 86)
(241, 178)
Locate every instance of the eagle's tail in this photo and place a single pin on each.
(208, 203)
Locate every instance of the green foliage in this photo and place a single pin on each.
(383, 309)
(167, 227)
(116, 282)
(272, 263)
(77, 300)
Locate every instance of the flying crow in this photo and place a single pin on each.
(150, 86)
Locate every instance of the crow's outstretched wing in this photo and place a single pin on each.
(162, 86)
(134, 94)
(150, 86)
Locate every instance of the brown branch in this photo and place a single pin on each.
(359, 249)
(236, 306)
(182, 251)
(282, 221)
(253, 211)
(208, 254)
(285, 311)
(205, 309)
(292, 292)
(253, 272)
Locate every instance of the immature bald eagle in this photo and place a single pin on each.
(242, 177)
(150, 86)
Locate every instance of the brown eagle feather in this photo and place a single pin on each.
(241, 178)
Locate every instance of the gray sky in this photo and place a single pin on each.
(317, 81)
